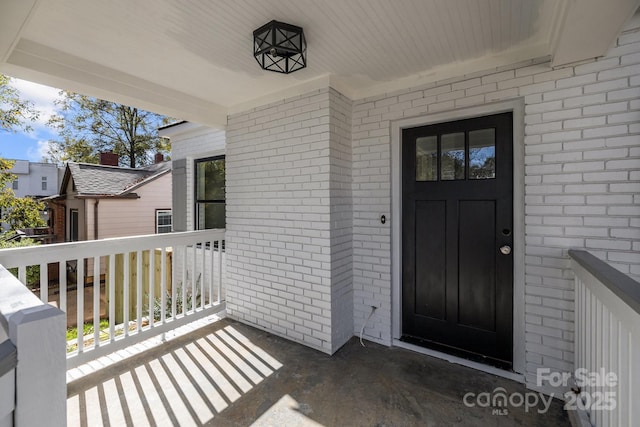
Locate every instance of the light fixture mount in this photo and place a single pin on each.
(280, 47)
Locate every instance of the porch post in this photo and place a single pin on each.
(37, 331)
(41, 389)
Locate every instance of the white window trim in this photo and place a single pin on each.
(164, 211)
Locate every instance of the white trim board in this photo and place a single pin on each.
(517, 107)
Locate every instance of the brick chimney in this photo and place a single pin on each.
(159, 158)
(109, 159)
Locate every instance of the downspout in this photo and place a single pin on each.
(95, 219)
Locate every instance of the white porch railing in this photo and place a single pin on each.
(125, 289)
(607, 341)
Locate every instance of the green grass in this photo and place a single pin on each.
(72, 333)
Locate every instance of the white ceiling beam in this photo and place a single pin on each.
(589, 28)
(13, 19)
(79, 75)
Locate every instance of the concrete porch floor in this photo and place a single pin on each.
(230, 374)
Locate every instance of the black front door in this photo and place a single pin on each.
(457, 279)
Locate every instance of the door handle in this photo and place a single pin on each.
(506, 249)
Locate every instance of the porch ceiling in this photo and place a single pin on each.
(193, 59)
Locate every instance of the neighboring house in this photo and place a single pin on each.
(34, 179)
(102, 201)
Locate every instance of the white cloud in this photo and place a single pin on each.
(36, 153)
(43, 98)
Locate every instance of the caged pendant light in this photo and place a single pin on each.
(280, 47)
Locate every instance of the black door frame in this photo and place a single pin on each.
(516, 106)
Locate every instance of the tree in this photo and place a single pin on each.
(18, 212)
(72, 150)
(15, 113)
(88, 126)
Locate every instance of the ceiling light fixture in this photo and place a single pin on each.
(280, 47)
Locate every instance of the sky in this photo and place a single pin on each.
(32, 145)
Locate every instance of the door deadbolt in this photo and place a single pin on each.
(506, 249)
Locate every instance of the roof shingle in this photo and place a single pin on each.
(91, 179)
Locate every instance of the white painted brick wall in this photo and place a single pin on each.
(341, 221)
(582, 181)
(288, 219)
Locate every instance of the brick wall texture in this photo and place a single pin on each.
(289, 219)
(308, 177)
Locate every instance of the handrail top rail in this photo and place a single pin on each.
(14, 296)
(623, 286)
(13, 257)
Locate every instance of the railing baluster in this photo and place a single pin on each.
(96, 301)
(62, 284)
(594, 339)
(588, 361)
(614, 350)
(626, 365)
(582, 324)
(577, 326)
(139, 291)
(112, 297)
(212, 262)
(174, 291)
(44, 283)
(194, 275)
(163, 284)
(602, 318)
(184, 280)
(152, 285)
(22, 274)
(203, 274)
(125, 299)
(220, 265)
(80, 302)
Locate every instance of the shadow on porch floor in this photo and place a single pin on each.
(229, 374)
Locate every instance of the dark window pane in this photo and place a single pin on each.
(210, 183)
(482, 154)
(452, 166)
(211, 215)
(427, 158)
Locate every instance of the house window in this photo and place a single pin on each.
(44, 183)
(210, 193)
(15, 184)
(163, 220)
(73, 225)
